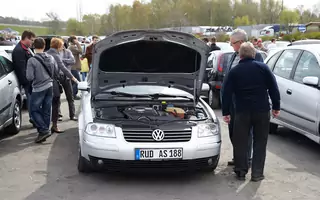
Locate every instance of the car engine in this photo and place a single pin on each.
(150, 113)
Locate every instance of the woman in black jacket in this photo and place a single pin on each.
(56, 46)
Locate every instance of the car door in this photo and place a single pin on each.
(283, 69)
(5, 101)
(304, 99)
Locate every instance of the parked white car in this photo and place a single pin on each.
(297, 71)
(8, 49)
(11, 98)
(141, 109)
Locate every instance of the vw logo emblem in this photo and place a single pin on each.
(158, 135)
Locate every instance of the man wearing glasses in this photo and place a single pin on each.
(237, 38)
(20, 56)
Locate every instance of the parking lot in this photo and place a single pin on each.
(30, 171)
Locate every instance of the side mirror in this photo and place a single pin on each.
(83, 86)
(311, 80)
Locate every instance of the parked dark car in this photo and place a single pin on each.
(217, 63)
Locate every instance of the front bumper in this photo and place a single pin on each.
(119, 152)
(150, 166)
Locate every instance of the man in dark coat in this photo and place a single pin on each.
(20, 56)
(248, 86)
(237, 38)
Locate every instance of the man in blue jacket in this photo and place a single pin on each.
(248, 86)
(237, 38)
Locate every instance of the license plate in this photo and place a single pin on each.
(159, 154)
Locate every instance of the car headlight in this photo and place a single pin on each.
(101, 130)
(207, 130)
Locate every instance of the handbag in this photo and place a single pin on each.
(84, 65)
(51, 75)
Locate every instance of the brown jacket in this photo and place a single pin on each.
(88, 54)
(76, 52)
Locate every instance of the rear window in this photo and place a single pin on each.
(150, 57)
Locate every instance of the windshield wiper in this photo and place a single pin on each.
(124, 94)
(159, 95)
(151, 96)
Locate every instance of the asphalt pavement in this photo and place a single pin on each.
(48, 171)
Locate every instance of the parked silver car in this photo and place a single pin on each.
(11, 98)
(297, 71)
(142, 108)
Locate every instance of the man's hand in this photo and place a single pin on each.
(275, 113)
(227, 119)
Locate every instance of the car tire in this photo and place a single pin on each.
(15, 126)
(214, 99)
(273, 129)
(213, 167)
(84, 166)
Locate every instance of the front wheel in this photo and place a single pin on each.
(15, 126)
(214, 99)
(84, 166)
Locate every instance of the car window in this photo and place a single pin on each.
(285, 63)
(273, 59)
(2, 71)
(307, 66)
(7, 64)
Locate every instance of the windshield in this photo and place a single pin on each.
(149, 90)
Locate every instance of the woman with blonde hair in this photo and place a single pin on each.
(56, 46)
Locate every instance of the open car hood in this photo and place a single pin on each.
(149, 57)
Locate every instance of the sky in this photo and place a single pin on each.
(68, 8)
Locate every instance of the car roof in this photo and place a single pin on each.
(310, 47)
(3, 53)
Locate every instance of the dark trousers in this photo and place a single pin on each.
(231, 131)
(55, 109)
(68, 90)
(76, 74)
(243, 122)
(41, 109)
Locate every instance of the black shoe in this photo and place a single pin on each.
(60, 115)
(257, 178)
(231, 163)
(73, 118)
(240, 176)
(76, 98)
(41, 138)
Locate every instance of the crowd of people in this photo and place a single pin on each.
(245, 105)
(45, 75)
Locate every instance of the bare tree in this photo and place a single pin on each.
(54, 22)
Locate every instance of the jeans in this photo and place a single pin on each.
(28, 94)
(259, 122)
(76, 74)
(41, 109)
(84, 75)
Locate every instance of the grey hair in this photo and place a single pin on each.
(239, 34)
(247, 50)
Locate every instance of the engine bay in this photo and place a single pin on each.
(147, 113)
